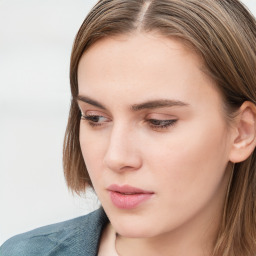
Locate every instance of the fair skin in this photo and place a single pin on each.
(179, 152)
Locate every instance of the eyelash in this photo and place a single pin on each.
(161, 124)
(91, 119)
(153, 123)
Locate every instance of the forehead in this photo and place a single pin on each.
(143, 48)
(142, 65)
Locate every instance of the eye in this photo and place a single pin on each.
(161, 124)
(95, 120)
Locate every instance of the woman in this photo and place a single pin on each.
(163, 126)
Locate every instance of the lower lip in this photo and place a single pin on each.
(128, 201)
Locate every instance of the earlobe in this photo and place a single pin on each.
(244, 139)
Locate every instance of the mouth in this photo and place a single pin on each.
(128, 197)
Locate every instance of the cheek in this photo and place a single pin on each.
(92, 151)
(189, 173)
(191, 161)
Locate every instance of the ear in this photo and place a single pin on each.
(244, 135)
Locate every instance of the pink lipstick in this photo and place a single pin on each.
(127, 197)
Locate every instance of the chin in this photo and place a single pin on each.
(130, 229)
(134, 223)
(133, 233)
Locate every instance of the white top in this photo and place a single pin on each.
(107, 243)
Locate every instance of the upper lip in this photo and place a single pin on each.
(127, 189)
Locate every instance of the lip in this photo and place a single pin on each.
(128, 197)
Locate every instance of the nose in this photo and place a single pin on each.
(122, 152)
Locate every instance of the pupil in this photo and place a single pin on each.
(95, 118)
(156, 122)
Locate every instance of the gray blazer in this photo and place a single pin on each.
(76, 237)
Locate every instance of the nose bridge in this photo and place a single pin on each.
(121, 150)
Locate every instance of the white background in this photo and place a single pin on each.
(36, 37)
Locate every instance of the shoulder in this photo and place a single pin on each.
(79, 236)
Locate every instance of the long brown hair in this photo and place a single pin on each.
(223, 33)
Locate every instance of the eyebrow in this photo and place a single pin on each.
(153, 104)
(90, 101)
(161, 103)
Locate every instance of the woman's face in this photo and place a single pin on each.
(153, 135)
